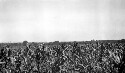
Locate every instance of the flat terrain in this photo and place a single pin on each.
(102, 56)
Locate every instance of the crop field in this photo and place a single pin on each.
(100, 56)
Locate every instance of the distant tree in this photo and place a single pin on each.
(121, 41)
(25, 43)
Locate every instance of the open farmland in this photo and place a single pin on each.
(102, 56)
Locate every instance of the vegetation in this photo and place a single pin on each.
(63, 57)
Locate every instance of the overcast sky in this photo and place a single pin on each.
(61, 20)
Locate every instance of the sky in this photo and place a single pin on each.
(61, 20)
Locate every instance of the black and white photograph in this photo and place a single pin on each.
(62, 36)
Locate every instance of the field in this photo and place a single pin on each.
(102, 56)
